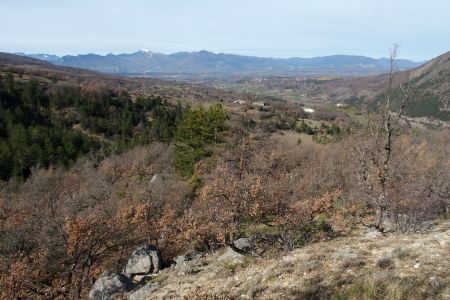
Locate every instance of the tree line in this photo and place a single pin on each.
(44, 124)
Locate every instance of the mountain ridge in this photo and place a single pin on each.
(145, 62)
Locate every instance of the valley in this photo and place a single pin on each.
(229, 187)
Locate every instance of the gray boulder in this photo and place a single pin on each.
(371, 234)
(231, 256)
(245, 244)
(144, 293)
(109, 286)
(144, 260)
(182, 260)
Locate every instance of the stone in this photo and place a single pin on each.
(142, 278)
(179, 260)
(109, 286)
(144, 293)
(143, 261)
(156, 179)
(245, 244)
(231, 256)
(189, 264)
(372, 234)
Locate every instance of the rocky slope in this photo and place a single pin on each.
(362, 265)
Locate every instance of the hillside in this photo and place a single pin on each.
(45, 124)
(430, 88)
(169, 90)
(429, 93)
(361, 265)
(203, 62)
(53, 116)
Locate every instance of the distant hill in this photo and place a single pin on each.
(148, 63)
(168, 90)
(52, 115)
(431, 89)
(429, 96)
(429, 93)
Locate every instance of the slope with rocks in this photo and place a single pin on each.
(362, 265)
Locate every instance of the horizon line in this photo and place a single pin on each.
(104, 54)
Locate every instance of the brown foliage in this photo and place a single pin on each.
(80, 223)
(61, 229)
(310, 219)
(412, 189)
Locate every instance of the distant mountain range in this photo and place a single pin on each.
(146, 63)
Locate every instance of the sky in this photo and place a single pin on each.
(266, 28)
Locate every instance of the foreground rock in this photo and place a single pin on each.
(109, 286)
(231, 256)
(245, 244)
(144, 261)
(143, 293)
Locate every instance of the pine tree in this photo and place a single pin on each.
(197, 129)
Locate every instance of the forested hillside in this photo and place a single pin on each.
(43, 124)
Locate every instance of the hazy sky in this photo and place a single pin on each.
(277, 28)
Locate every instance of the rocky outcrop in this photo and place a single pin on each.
(145, 260)
(189, 264)
(411, 266)
(245, 244)
(231, 256)
(109, 286)
(144, 292)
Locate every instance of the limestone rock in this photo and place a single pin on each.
(143, 261)
(109, 286)
(372, 234)
(179, 260)
(245, 244)
(144, 293)
(231, 256)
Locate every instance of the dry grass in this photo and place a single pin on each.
(291, 138)
(400, 267)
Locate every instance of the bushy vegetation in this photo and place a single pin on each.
(63, 226)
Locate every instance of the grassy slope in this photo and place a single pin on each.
(356, 266)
